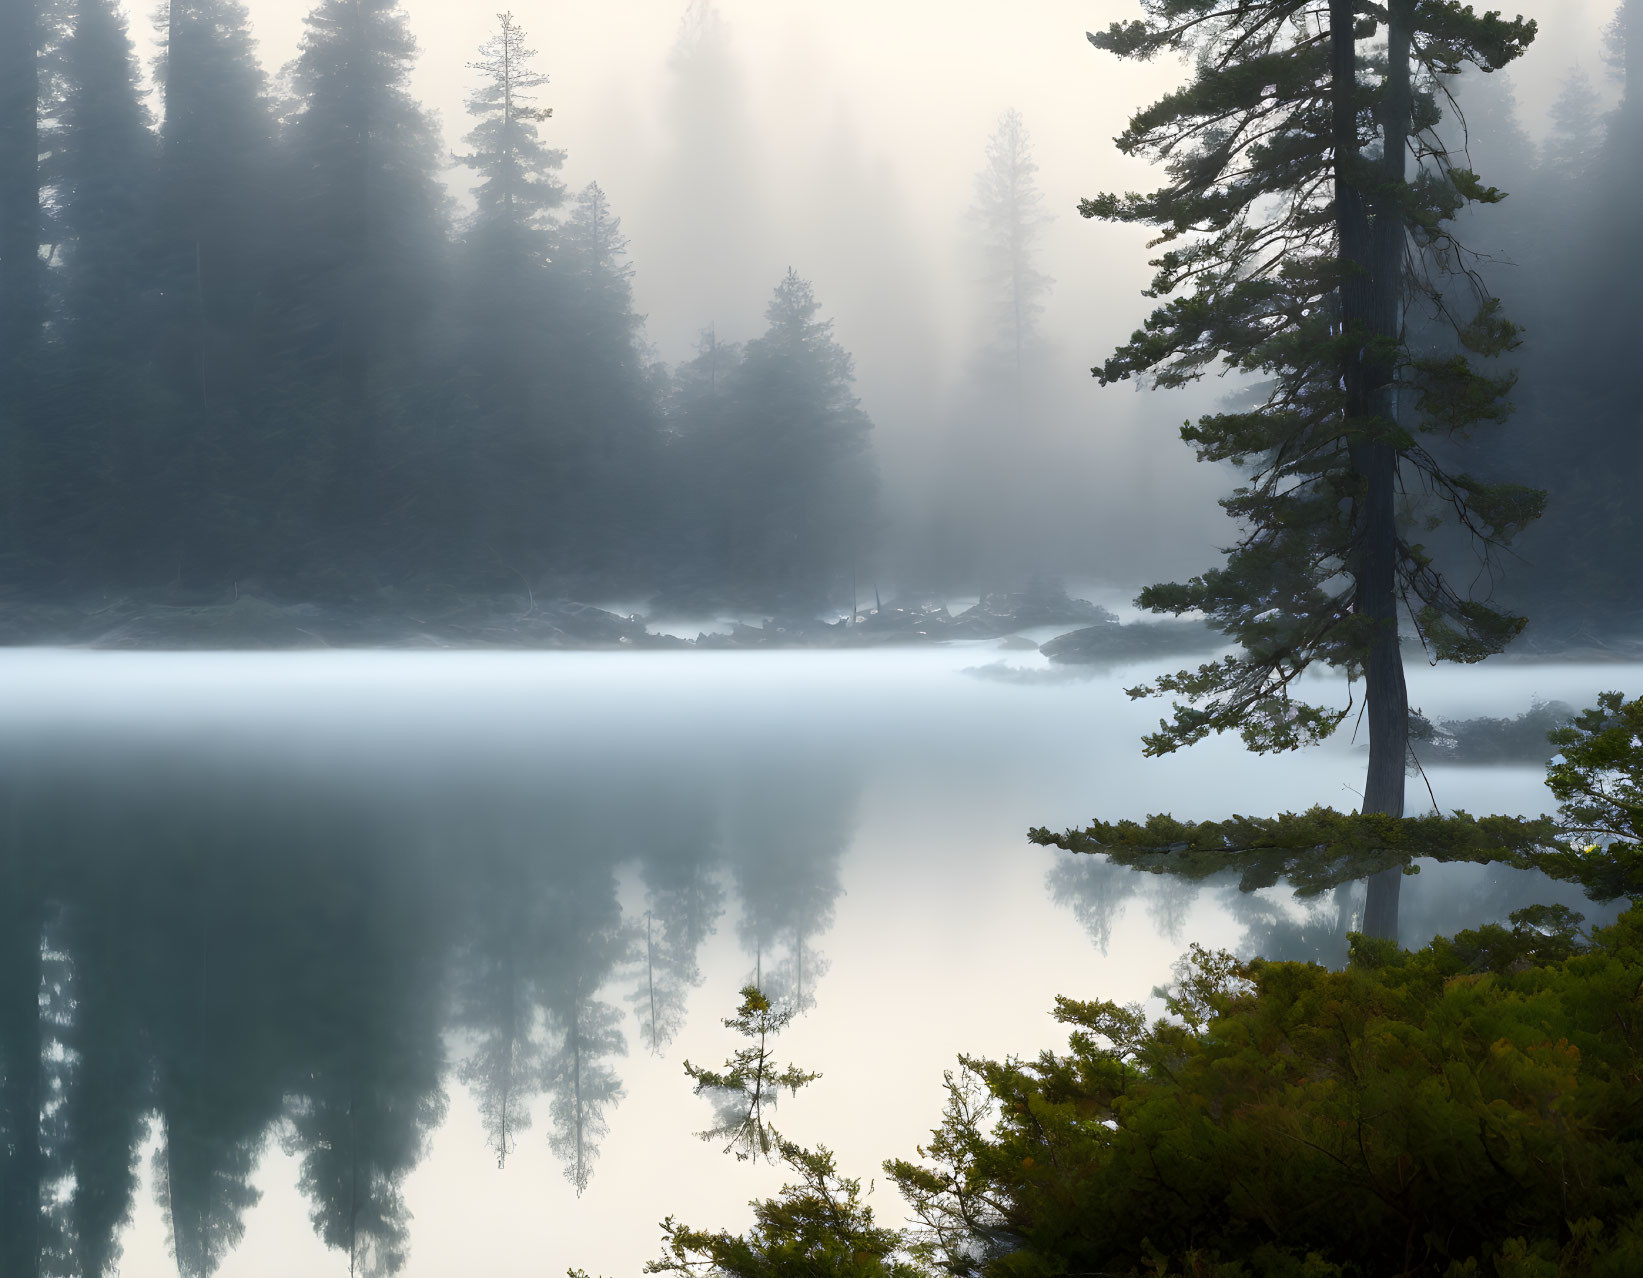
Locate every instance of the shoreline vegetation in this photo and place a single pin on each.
(1467, 1108)
(249, 621)
(1090, 635)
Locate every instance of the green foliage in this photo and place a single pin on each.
(773, 447)
(518, 172)
(1594, 841)
(1467, 1109)
(750, 1082)
(1311, 851)
(1254, 270)
(254, 345)
(817, 1226)
(1598, 780)
(1489, 740)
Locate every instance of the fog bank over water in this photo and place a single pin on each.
(282, 880)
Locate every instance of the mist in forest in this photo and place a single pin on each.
(723, 306)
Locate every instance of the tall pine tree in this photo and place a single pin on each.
(1287, 222)
(508, 316)
(519, 184)
(22, 38)
(367, 241)
(1011, 217)
(609, 417)
(108, 433)
(217, 167)
(790, 491)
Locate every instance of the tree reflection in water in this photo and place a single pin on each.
(1275, 925)
(223, 960)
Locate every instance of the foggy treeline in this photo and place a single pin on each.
(250, 339)
(257, 341)
(1562, 251)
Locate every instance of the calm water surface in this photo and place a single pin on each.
(403, 952)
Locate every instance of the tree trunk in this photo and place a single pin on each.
(1372, 256)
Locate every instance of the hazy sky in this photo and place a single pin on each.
(914, 85)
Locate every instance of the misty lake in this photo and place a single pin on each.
(409, 948)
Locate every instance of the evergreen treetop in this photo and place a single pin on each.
(751, 1080)
(518, 172)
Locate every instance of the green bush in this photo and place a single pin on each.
(1472, 1108)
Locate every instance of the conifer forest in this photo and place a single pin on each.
(833, 639)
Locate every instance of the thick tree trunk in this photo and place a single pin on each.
(1371, 290)
(1388, 698)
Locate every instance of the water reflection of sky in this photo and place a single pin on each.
(297, 887)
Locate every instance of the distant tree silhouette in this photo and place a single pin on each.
(789, 493)
(1010, 217)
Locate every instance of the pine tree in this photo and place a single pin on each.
(1583, 342)
(684, 899)
(104, 419)
(751, 1081)
(608, 406)
(368, 244)
(497, 997)
(218, 177)
(992, 492)
(23, 1053)
(1010, 213)
(1607, 338)
(22, 312)
(217, 1087)
(107, 1098)
(371, 1093)
(697, 406)
(590, 941)
(1575, 140)
(508, 317)
(709, 248)
(1286, 226)
(795, 493)
(22, 38)
(519, 183)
